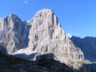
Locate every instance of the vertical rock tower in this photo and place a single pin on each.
(47, 36)
(11, 34)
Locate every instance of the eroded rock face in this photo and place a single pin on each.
(11, 33)
(43, 34)
(47, 36)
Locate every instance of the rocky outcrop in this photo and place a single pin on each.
(13, 64)
(11, 34)
(42, 35)
(47, 36)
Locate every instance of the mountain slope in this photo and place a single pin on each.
(42, 35)
(12, 64)
(47, 36)
(87, 45)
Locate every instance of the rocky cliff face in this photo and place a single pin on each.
(42, 35)
(47, 36)
(11, 33)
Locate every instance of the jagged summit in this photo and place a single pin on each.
(44, 11)
(11, 15)
(44, 24)
(11, 33)
(43, 34)
(47, 36)
(47, 14)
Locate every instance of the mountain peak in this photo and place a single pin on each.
(12, 28)
(45, 11)
(46, 23)
(13, 15)
(44, 17)
(45, 36)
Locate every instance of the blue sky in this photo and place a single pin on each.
(77, 17)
